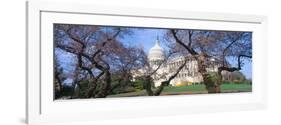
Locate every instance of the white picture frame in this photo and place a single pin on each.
(41, 108)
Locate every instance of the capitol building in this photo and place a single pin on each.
(189, 74)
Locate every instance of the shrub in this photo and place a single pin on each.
(139, 84)
(184, 83)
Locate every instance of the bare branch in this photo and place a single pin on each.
(227, 47)
(232, 69)
(190, 38)
(165, 83)
(190, 50)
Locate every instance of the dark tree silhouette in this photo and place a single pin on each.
(99, 54)
(219, 45)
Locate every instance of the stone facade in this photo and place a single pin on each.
(189, 74)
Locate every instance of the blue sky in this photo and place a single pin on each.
(144, 37)
(147, 38)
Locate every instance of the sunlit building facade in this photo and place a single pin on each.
(188, 75)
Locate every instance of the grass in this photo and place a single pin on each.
(192, 89)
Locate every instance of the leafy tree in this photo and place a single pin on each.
(208, 47)
(99, 56)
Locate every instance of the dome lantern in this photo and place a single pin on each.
(156, 52)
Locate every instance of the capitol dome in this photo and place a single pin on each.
(156, 52)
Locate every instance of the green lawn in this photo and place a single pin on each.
(200, 89)
(192, 89)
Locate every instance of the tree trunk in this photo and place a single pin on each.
(105, 87)
(211, 86)
(161, 87)
(148, 85)
(92, 87)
